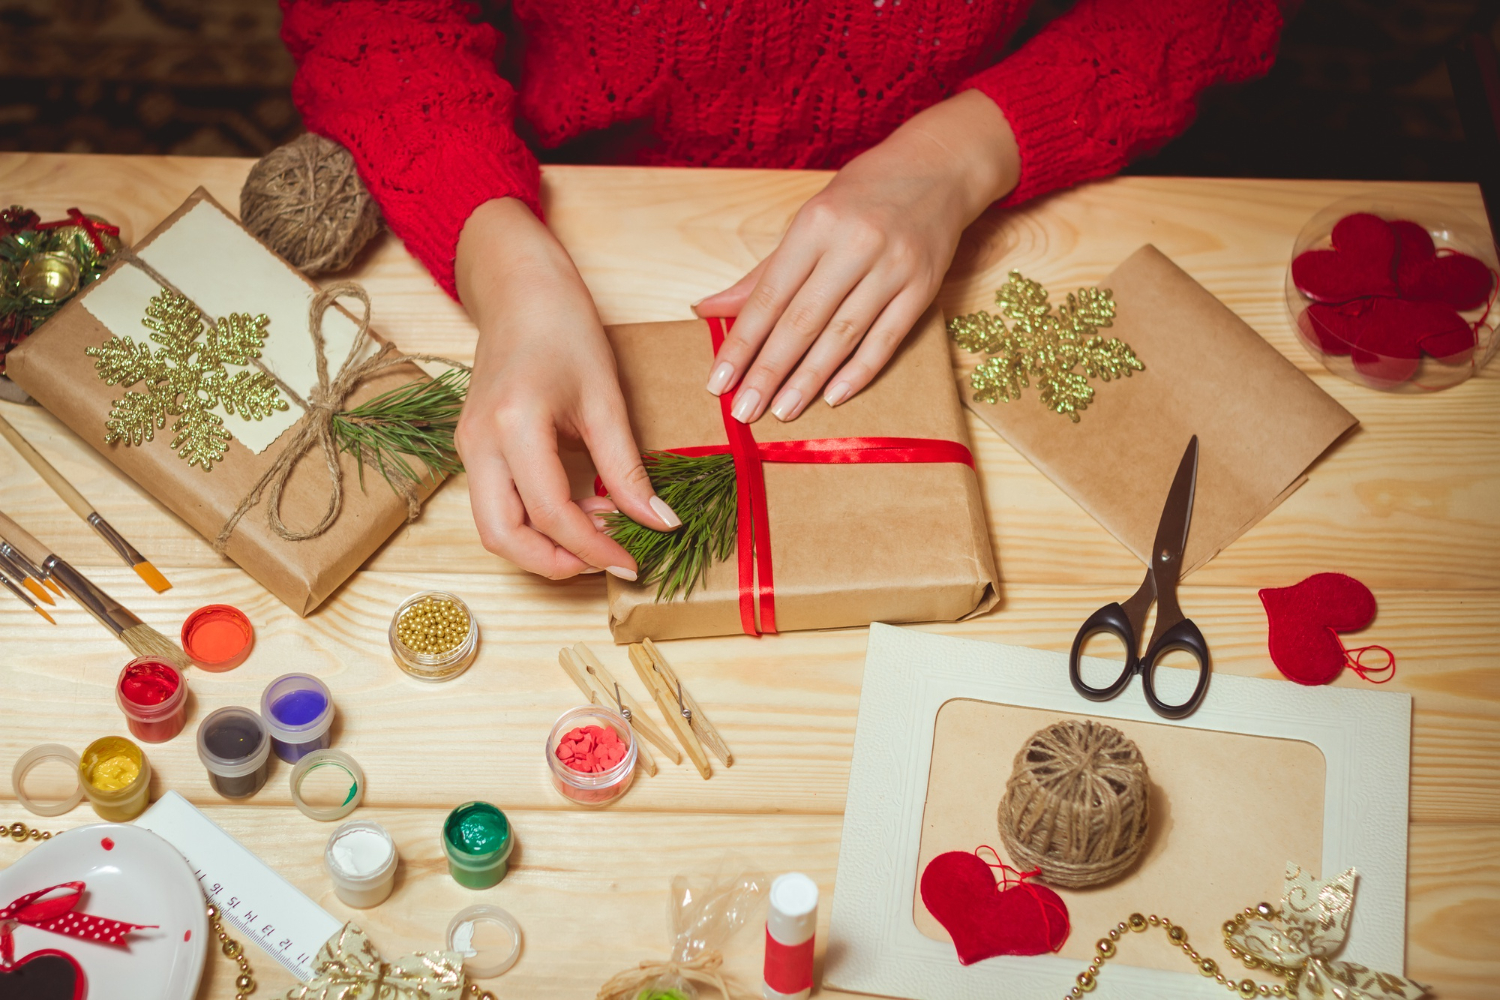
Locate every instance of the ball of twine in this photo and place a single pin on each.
(306, 201)
(1076, 805)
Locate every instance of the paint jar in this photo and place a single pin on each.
(327, 785)
(218, 637)
(64, 783)
(236, 749)
(590, 788)
(361, 860)
(116, 777)
(478, 840)
(488, 938)
(299, 713)
(153, 695)
(446, 655)
(791, 921)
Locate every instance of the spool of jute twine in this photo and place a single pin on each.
(1077, 804)
(306, 201)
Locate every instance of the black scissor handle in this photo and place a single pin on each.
(1110, 618)
(1183, 635)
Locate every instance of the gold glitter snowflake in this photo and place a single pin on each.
(186, 379)
(1045, 345)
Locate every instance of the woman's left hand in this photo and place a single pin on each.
(861, 261)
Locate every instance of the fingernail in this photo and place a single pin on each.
(667, 514)
(621, 572)
(745, 404)
(602, 526)
(786, 404)
(837, 393)
(591, 569)
(719, 380)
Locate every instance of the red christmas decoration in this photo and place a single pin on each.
(1304, 622)
(986, 918)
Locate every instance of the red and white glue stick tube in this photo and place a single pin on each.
(790, 925)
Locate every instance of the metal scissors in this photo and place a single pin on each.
(1173, 630)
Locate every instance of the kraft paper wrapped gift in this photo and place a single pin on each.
(220, 266)
(850, 543)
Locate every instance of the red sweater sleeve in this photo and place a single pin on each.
(1113, 79)
(410, 88)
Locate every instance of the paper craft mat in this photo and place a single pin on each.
(1255, 799)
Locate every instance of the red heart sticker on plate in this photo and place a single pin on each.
(984, 920)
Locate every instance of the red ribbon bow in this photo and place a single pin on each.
(89, 226)
(58, 916)
(754, 529)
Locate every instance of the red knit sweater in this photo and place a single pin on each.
(412, 89)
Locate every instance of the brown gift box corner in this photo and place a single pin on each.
(850, 544)
(52, 367)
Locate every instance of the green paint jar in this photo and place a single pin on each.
(477, 839)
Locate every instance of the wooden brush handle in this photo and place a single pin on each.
(21, 539)
(51, 476)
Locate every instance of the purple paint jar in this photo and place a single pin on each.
(299, 712)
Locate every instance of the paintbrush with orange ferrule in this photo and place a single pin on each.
(11, 586)
(84, 509)
(18, 572)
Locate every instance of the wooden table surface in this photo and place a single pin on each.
(1408, 504)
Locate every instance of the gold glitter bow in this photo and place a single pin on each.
(1314, 922)
(349, 968)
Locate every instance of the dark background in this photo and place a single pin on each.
(1359, 89)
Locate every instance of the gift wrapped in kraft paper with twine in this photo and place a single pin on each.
(216, 377)
(869, 511)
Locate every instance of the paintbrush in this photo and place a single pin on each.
(142, 639)
(28, 569)
(19, 573)
(84, 509)
(11, 586)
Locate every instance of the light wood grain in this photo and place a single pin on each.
(1408, 503)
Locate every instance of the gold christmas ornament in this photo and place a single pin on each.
(48, 277)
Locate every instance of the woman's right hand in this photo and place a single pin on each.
(543, 371)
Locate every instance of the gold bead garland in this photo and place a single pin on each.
(433, 626)
(1105, 949)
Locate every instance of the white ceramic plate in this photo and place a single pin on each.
(131, 875)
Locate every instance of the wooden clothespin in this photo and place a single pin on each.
(698, 719)
(639, 720)
(574, 668)
(673, 708)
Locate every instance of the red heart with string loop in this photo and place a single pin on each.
(1387, 337)
(984, 920)
(1304, 620)
(1424, 274)
(1361, 262)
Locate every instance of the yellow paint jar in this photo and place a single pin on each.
(116, 777)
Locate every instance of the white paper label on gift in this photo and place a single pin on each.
(225, 270)
(265, 907)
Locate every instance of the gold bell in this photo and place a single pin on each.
(48, 277)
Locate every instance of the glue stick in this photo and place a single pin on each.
(790, 925)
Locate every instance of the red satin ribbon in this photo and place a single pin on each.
(757, 585)
(77, 218)
(58, 916)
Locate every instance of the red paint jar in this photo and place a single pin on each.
(153, 696)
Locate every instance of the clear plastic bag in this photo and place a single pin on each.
(703, 916)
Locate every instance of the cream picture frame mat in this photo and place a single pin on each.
(874, 945)
(1213, 795)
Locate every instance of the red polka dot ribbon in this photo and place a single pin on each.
(59, 916)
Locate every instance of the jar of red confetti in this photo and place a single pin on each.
(592, 753)
(153, 695)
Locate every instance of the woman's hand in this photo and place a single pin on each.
(861, 261)
(542, 370)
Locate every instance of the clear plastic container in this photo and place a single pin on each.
(298, 711)
(116, 777)
(361, 861)
(478, 841)
(591, 789)
(484, 957)
(442, 666)
(337, 785)
(53, 754)
(236, 750)
(1334, 339)
(153, 695)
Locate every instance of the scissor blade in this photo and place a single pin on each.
(1176, 516)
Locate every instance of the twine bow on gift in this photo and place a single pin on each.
(59, 915)
(349, 968)
(702, 970)
(1313, 924)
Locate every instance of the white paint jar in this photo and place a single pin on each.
(361, 860)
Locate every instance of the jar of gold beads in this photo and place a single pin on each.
(433, 636)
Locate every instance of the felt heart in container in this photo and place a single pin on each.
(1388, 336)
(1361, 262)
(959, 890)
(48, 974)
(1456, 279)
(1304, 620)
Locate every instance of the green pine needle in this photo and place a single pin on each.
(415, 420)
(702, 492)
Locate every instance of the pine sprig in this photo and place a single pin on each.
(701, 490)
(415, 420)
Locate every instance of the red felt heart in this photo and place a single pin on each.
(1361, 262)
(48, 974)
(1305, 619)
(1388, 336)
(1456, 279)
(959, 889)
